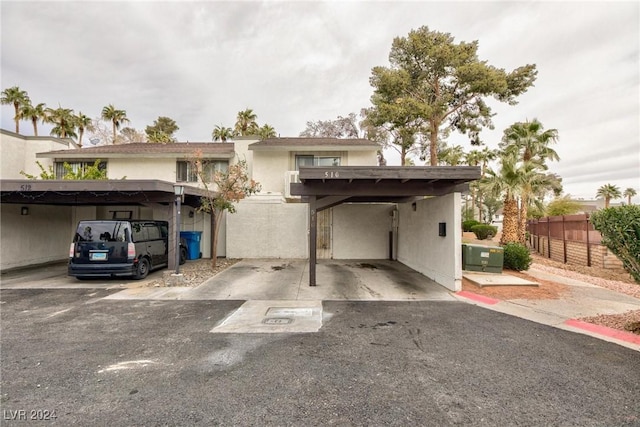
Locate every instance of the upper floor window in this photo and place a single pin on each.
(186, 171)
(77, 169)
(310, 160)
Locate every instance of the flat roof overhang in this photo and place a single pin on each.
(325, 187)
(94, 192)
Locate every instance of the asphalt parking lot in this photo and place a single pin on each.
(96, 361)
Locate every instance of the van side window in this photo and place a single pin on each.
(139, 233)
(153, 233)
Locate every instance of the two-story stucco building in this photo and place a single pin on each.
(375, 213)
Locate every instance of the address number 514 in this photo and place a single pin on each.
(332, 174)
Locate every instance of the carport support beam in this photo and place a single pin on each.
(313, 236)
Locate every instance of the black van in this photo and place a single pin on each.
(120, 248)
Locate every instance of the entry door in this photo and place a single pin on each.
(323, 243)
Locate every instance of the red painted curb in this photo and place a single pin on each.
(478, 298)
(603, 330)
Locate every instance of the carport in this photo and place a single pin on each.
(102, 193)
(325, 187)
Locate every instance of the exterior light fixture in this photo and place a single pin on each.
(178, 190)
(24, 210)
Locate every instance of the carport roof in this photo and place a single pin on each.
(94, 193)
(325, 187)
(382, 183)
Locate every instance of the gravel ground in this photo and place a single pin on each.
(196, 272)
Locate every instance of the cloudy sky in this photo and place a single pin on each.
(292, 62)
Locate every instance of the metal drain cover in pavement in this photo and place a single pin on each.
(273, 317)
(277, 321)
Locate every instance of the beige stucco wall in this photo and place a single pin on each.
(268, 228)
(420, 247)
(40, 237)
(133, 168)
(18, 153)
(361, 231)
(269, 169)
(362, 158)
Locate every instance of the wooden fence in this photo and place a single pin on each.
(570, 239)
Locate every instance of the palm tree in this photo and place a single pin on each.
(266, 132)
(17, 97)
(35, 114)
(63, 121)
(246, 123)
(451, 156)
(506, 184)
(629, 193)
(83, 123)
(484, 157)
(531, 141)
(608, 192)
(115, 116)
(221, 133)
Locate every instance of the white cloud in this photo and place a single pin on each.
(292, 62)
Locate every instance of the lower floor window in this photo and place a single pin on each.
(77, 169)
(186, 171)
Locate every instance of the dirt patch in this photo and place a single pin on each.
(545, 290)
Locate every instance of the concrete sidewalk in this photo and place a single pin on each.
(583, 300)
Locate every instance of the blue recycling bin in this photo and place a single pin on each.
(193, 243)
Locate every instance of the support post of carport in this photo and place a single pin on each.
(173, 223)
(313, 235)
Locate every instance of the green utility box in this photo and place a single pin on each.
(489, 259)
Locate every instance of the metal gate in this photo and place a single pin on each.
(323, 245)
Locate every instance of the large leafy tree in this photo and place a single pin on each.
(342, 127)
(246, 123)
(222, 192)
(34, 113)
(221, 133)
(116, 117)
(83, 123)
(564, 205)
(162, 130)
(63, 120)
(608, 192)
(434, 86)
(130, 135)
(629, 193)
(18, 98)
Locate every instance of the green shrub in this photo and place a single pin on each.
(620, 229)
(484, 231)
(516, 257)
(466, 225)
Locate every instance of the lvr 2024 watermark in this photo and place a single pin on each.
(29, 415)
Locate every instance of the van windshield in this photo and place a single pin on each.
(103, 231)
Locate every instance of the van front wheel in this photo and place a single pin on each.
(142, 270)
